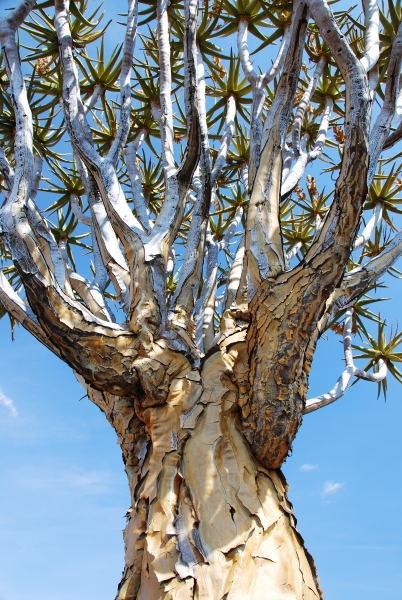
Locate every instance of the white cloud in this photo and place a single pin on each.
(308, 467)
(65, 480)
(331, 487)
(8, 404)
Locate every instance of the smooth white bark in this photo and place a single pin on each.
(125, 83)
(229, 129)
(304, 102)
(347, 375)
(369, 228)
(372, 35)
(165, 82)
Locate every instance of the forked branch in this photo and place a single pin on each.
(264, 251)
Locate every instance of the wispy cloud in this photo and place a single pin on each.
(89, 481)
(308, 467)
(64, 479)
(330, 488)
(8, 404)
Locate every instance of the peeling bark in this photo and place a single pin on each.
(207, 520)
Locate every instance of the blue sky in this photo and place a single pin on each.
(64, 492)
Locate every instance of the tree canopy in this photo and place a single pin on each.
(238, 80)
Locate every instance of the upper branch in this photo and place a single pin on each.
(380, 132)
(259, 84)
(74, 111)
(192, 152)
(14, 224)
(133, 171)
(301, 109)
(127, 228)
(165, 78)
(372, 36)
(229, 129)
(264, 251)
(293, 173)
(105, 239)
(126, 225)
(341, 223)
(125, 87)
(393, 137)
(23, 141)
(17, 16)
(177, 182)
(33, 247)
(244, 54)
(186, 291)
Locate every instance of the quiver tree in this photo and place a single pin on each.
(192, 252)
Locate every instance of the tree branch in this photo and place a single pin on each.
(370, 228)
(7, 173)
(47, 245)
(140, 205)
(105, 239)
(225, 141)
(14, 225)
(393, 137)
(177, 182)
(91, 294)
(259, 84)
(143, 307)
(186, 292)
(205, 306)
(322, 134)
(17, 16)
(91, 102)
(125, 81)
(372, 35)
(341, 223)
(264, 252)
(380, 132)
(34, 249)
(301, 109)
(165, 79)
(22, 312)
(192, 151)
(183, 299)
(344, 381)
(296, 171)
(357, 281)
(126, 226)
(244, 54)
(298, 297)
(232, 288)
(293, 173)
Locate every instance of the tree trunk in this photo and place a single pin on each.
(207, 521)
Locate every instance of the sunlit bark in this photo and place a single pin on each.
(207, 520)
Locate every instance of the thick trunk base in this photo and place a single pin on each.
(207, 521)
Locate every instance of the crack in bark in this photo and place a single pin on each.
(173, 541)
